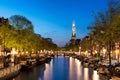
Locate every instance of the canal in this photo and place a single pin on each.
(60, 68)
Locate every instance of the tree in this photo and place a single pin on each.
(20, 35)
(106, 27)
(24, 29)
(21, 23)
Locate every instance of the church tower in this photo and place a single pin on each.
(73, 33)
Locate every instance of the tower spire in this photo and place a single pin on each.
(73, 32)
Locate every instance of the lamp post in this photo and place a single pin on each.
(104, 52)
(117, 51)
(13, 55)
(79, 50)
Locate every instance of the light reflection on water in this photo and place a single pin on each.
(78, 63)
(60, 68)
(95, 75)
(48, 71)
(86, 74)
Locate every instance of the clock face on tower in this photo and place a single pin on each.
(73, 24)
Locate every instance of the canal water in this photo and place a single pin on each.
(60, 68)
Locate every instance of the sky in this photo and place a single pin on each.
(53, 18)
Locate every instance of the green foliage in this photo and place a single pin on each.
(21, 23)
(73, 47)
(19, 34)
(105, 30)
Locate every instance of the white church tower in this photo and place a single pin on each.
(73, 33)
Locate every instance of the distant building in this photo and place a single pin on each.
(77, 42)
(73, 39)
(3, 21)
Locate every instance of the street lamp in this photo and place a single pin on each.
(79, 50)
(13, 53)
(117, 51)
(104, 52)
(117, 54)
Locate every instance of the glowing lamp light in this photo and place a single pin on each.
(117, 53)
(86, 52)
(22, 53)
(26, 52)
(41, 51)
(13, 53)
(95, 51)
(104, 52)
(73, 24)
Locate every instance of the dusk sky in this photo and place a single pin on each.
(53, 18)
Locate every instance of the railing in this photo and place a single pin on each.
(10, 71)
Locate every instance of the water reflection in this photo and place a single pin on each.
(71, 62)
(85, 73)
(79, 69)
(48, 71)
(95, 75)
(60, 68)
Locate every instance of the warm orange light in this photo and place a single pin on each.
(117, 51)
(13, 53)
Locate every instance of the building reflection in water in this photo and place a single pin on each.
(70, 69)
(95, 75)
(48, 71)
(60, 68)
(79, 69)
(86, 74)
(75, 69)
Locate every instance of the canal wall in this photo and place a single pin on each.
(9, 72)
